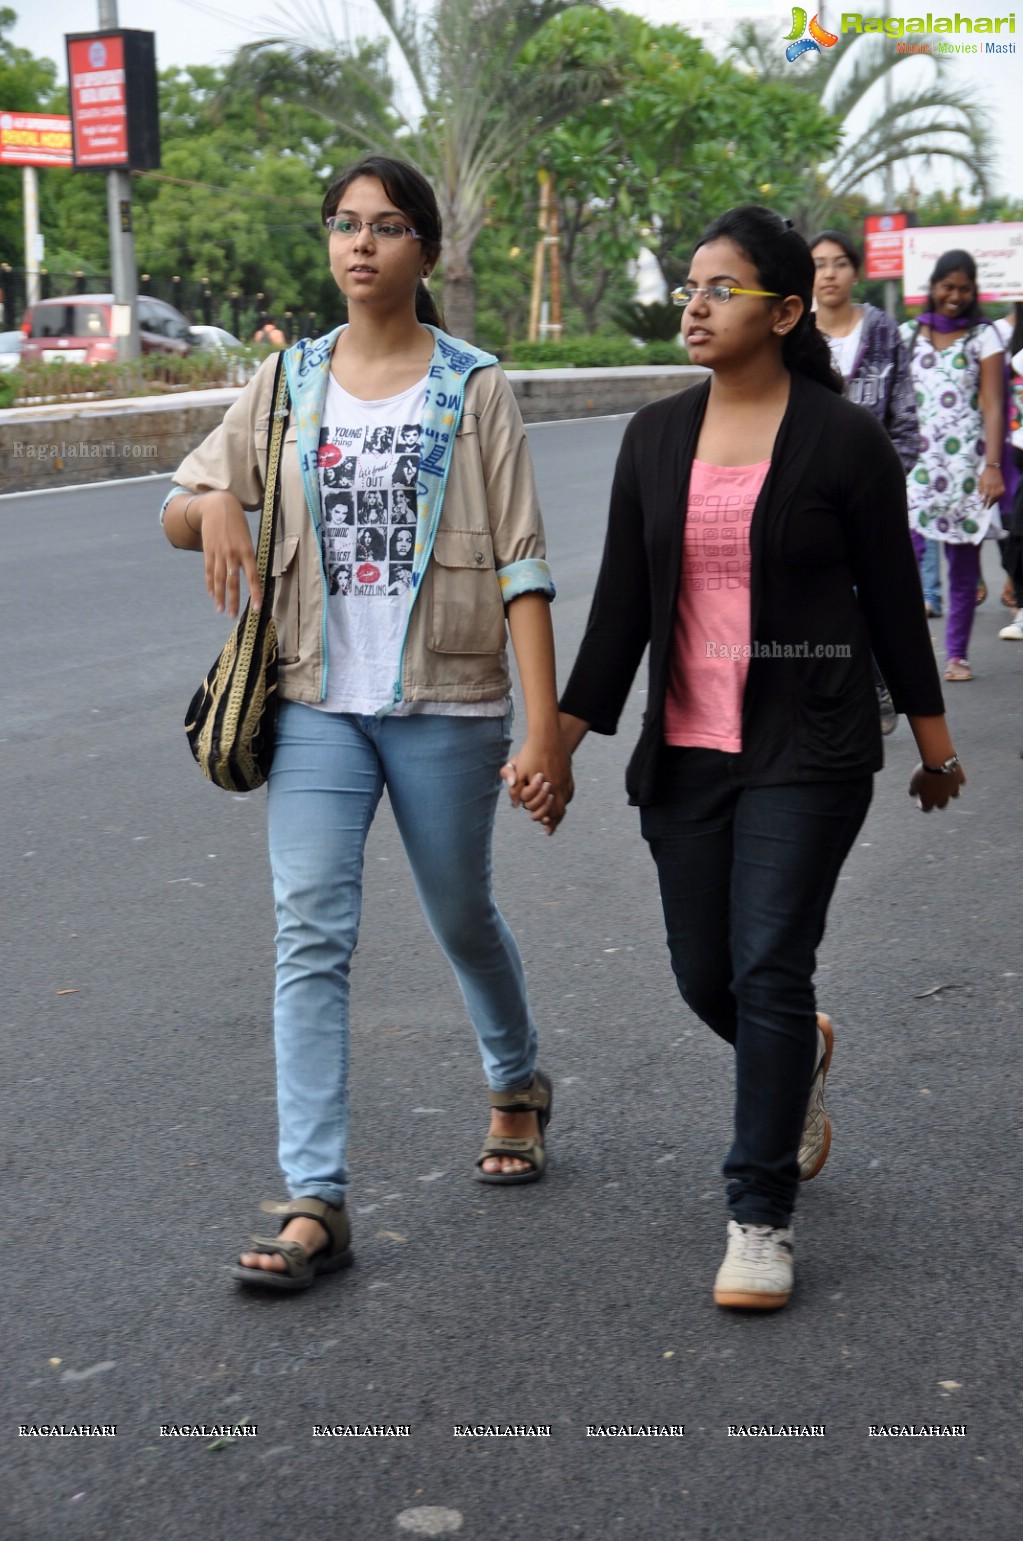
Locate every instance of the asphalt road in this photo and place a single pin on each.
(138, 1134)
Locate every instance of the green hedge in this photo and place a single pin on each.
(34, 381)
(590, 353)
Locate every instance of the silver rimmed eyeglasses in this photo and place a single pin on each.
(716, 294)
(380, 229)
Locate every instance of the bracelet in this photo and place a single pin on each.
(184, 513)
(993, 465)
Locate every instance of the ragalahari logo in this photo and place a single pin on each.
(799, 43)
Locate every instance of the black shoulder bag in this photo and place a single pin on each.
(232, 716)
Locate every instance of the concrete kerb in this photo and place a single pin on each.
(72, 443)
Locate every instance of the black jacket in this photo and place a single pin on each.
(832, 567)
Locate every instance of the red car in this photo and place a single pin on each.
(76, 328)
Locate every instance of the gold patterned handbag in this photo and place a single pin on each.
(232, 716)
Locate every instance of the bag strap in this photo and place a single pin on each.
(281, 410)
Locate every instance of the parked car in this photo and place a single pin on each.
(76, 328)
(10, 349)
(213, 339)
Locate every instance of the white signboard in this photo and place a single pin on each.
(996, 249)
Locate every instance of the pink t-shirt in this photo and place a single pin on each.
(710, 657)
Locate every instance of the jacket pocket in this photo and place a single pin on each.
(287, 597)
(467, 612)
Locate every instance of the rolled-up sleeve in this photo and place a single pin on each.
(228, 459)
(516, 524)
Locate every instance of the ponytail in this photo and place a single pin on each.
(805, 352)
(427, 308)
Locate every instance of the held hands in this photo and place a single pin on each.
(539, 779)
(228, 550)
(934, 789)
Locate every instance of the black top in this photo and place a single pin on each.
(832, 568)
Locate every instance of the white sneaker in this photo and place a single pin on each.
(757, 1270)
(816, 1141)
(1014, 631)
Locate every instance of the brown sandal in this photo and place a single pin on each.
(300, 1266)
(538, 1098)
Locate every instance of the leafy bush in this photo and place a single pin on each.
(590, 353)
(658, 322)
(153, 375)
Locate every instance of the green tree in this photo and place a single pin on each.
(27, 84)
(889, 121)
(473, 110)
(233, 211)
(677, 137)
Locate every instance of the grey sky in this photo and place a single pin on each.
(194, 32)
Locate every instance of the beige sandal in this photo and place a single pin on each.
(300, 1266)
(538, 1098)
(957, 670)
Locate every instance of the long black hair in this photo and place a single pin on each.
(1016, 340)
(410, 192)
(784, 264)
(957, 262)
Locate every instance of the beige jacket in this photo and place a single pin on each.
(483, 547)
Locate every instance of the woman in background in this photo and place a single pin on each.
(867, 351)
(958, 373)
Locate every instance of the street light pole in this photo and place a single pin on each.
(122, 240)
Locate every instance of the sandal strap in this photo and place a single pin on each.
(296, 1258)
(521, 1150)
(534, 1098)
(332, 1217)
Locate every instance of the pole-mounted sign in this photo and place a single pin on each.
(114, 114)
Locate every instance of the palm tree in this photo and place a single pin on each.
(474, 109)
(885, 125)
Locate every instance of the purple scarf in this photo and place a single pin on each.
(944, 323)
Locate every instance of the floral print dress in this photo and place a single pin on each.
(943, 487)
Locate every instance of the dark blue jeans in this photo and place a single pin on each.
(746, 876)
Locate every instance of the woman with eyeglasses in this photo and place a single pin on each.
(392, 679)
(758, 546)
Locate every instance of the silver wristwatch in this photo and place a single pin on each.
(947, 768)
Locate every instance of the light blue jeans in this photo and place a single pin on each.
(329, 772)
(930, 573)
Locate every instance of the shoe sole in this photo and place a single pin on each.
(751, 1300)
(805, 1177)
(828, 1033)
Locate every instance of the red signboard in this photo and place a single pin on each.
(99, 101)
(883, 244)
(34, 139)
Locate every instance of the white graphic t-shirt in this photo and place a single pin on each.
(368, 467)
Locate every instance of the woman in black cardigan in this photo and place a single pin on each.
(758, 543)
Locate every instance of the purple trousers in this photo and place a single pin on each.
(963, 577)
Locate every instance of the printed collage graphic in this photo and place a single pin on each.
(368, 479)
